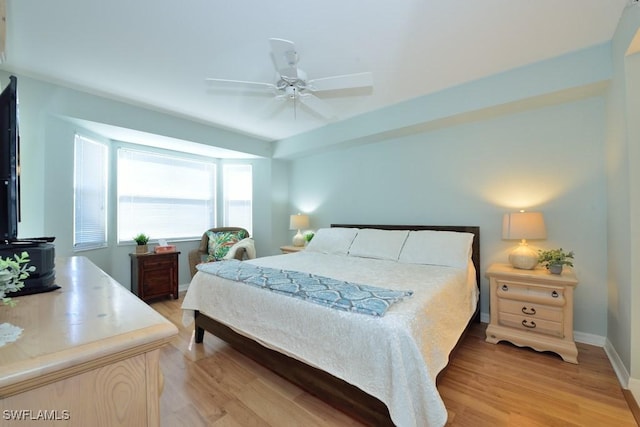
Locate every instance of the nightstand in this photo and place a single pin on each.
(154, 275)
(291, 249)
(533, 308)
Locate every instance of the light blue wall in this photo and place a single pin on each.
(531, 138)
(577, 74)
(548, 159)
(556, 136)
(47, 137)
(623, 159)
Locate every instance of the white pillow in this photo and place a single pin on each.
(380, 244)
(447, 248)
(332, 240)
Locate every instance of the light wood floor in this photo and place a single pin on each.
(211, 384)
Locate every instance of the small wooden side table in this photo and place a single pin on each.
(291, 249)
(154, 275)
(533, 308)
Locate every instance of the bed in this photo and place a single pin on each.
(381, 370)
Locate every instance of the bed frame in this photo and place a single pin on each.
(334, 391)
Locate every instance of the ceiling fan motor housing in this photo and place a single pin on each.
(291, 91)
(292, 87)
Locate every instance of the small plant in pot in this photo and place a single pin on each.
(141, 240)
(13, 272)
(308, 236)
(555, 259)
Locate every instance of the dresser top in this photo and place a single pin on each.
(568, 276)
(90, 318)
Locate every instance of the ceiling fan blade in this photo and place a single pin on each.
(284, 57)
(347, 81)
(274, 107)
(317, 105)
(242, 84)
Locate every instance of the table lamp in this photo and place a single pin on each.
(298, 222)
(522, 226)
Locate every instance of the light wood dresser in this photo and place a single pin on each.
(533, 308)
(88, 356)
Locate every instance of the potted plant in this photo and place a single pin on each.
(555, 259)
(141, 240)
(13, 272)
(308, 236)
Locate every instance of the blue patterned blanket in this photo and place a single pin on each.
(310, 287)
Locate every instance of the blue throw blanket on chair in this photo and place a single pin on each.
(321, 290)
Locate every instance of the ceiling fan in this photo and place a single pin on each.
(292, 83)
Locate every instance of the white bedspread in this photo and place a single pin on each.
(395, 358)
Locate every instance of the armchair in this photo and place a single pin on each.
(196, 256)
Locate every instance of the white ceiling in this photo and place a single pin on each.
(159, 52)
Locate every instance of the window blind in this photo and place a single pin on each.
(90, 194)
(164, 196)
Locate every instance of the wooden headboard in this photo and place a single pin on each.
(475, 246)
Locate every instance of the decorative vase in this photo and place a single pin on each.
(555, 268)
(141, 249)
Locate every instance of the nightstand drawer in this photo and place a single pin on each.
(525, 308)
(542, 294)
(526, 323)
(157, 264)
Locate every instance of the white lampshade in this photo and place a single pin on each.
(298, 222)
(522, 226)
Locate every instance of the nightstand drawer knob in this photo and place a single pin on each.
(554, 294)
(530, 325)
(531, 311)
(505, 288)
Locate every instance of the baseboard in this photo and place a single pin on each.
(599, 341)
(580, 337)
(616, 363)
(183, 287)
(485, 317)
(591, 339)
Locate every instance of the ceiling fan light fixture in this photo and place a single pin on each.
(291, 91)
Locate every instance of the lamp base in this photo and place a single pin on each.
(298, 239)
(523, 257)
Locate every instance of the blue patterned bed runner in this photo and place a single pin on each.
(321, 290)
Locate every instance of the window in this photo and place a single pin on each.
(164, 196)
(89, 194)
(238, 195)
